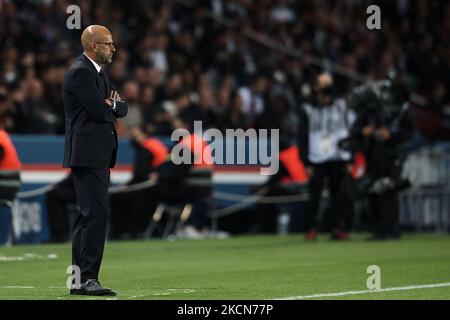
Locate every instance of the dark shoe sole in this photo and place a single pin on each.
(75, 291)
(98, 293)
(92, 293)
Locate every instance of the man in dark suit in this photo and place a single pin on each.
(91, 108)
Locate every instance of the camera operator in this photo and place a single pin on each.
(383, 125)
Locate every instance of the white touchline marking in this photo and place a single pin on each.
(173, 291)
(30, 287)
(8, 259)
(28, 256)
(347, 293)
(182, 290)
(165, 293)
(135, 297)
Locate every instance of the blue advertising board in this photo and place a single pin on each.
(41, 157)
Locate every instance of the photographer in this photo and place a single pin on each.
(324, 122)
(383, 124)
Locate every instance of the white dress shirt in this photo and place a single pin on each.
(97, 67)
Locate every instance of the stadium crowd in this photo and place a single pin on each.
(237, 64)
(172, 59)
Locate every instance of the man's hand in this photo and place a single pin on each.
(115, 96)
(109, 102)
(310, 171)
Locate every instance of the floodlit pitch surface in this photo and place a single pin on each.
(247, 267)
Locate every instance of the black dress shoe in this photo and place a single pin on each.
(92, 288)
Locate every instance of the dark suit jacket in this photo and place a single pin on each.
(91, 138)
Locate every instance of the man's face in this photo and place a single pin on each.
(104, 49)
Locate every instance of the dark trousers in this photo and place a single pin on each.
(384, 208)
(5, 223)
(201, 210)
(385, 214)
(131, 213)
(341, 201)
(89, 230)
(199, 197)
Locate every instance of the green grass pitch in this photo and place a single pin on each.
(244, 267)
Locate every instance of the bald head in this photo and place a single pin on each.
(93, 34)
(97, 43)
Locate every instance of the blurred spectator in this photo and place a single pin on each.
(158, 52)
(235, 117)
(290, 179)
(131, 211)
(35, 115)
(325, 122)
(202, 108)
(175, 46)
(131, 93)
(253, 98)
(188, 182)
(277, 116)
(156, 118)
(222, 105)
(6, 109)
(10, 182)
(175, 61)
(118, 70)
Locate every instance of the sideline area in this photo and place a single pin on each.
(248, 267)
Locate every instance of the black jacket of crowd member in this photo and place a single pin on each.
(291, 169)
(276, 178)
(172, 173)
(176, 175)
(384, 123)
(303, 137)
(379, 105)
(10, 167)
(141, 164)
(187, 175)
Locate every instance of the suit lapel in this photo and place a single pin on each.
(103, 82)
(98, 79)
(108, 83)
